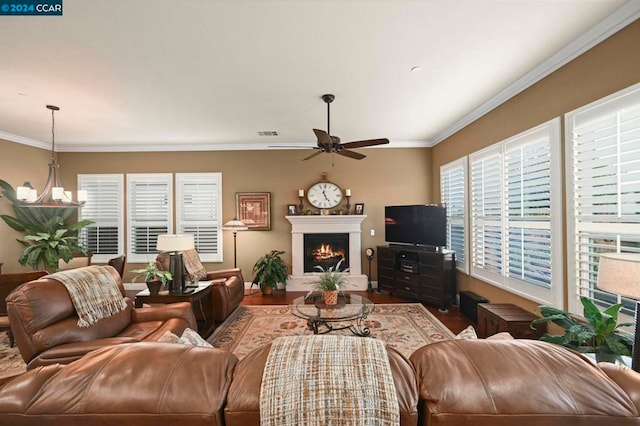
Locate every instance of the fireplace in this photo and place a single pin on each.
(326, 251)
(349, 226)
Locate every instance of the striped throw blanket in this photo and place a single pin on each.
(93, 291)
(328, 380)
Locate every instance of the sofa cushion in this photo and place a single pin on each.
(132, 384)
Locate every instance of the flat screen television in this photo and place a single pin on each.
(423, 225)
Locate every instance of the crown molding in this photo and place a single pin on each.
(624, 16)
(24, 141)
(173, 147)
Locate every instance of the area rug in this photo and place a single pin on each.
(406, 327)
(11, 363)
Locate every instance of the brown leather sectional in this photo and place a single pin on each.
(463, 382)
(44, 323)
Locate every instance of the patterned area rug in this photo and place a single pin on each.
(406, 327)
(11, 363)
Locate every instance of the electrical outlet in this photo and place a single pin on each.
(373, 232)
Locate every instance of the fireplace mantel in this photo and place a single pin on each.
(317, 224)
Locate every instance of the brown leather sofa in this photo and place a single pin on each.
(521, 382)
(228, 288)
(462, 382)
(44, 323)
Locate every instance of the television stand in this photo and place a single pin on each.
(425, 274)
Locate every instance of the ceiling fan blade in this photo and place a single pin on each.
(312, 155)
(362, 144)
(351, 154)
(324, 140)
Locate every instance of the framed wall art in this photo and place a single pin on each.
(254, 210)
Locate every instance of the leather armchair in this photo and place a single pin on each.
(44, 323)
(228, 288)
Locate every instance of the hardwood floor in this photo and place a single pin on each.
(453, 319)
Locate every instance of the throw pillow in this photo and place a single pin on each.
(501, 336)
(191, 337)
(169, 337)
(467, 333)
(195, 268)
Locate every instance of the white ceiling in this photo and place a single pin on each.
(206, 75)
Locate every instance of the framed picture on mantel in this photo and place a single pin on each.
(254, 210)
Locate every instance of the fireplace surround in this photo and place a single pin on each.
(301, 280)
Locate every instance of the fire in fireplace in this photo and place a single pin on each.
(325, 250)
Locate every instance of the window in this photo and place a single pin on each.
(149, 213)
(453, 190)
(104, 206)
(603, 191)
(515, 214)
(198, 210)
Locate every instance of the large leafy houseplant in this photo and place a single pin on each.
(48, 239)
(270, 270)
(600, 333)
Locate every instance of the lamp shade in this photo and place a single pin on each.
(619, 273)
(173, 242)
(234, 225)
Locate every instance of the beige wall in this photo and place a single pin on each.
(611, 66)
(386, 176)
(18, 164)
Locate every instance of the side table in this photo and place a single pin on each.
(201, 302)
(498, 317)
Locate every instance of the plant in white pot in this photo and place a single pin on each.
(331, 281)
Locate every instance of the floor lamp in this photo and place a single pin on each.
(234, 225)
(619, 273)
(176, 244)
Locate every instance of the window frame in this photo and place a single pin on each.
(500, 276)
(577, 230)
(202, 178)
(133, 178)
(118, 180)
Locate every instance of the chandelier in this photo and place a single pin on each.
(53, 194)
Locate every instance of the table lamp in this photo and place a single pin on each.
(234, 225)
(175, 244)
(619, 273)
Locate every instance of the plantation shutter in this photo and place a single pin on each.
(453, 192)
(150, 213)
(528, 177)
(198, 212)
(104, 207)
(603, 196)
(486, 210)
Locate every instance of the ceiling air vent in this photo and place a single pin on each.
(268, 133)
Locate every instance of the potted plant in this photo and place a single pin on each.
(48, 238)
(330, 281)
(154, 277)
(270, 270)
(599, 334)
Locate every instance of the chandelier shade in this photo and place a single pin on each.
(53, 194)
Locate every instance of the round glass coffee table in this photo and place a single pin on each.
(349, 313)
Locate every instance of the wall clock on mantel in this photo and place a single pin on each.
(324, 195)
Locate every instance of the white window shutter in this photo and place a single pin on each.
(198, 207)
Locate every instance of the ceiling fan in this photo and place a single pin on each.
(331, 144)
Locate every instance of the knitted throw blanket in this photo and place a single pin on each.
(93, 291)
(193, 265)
(328, 380)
